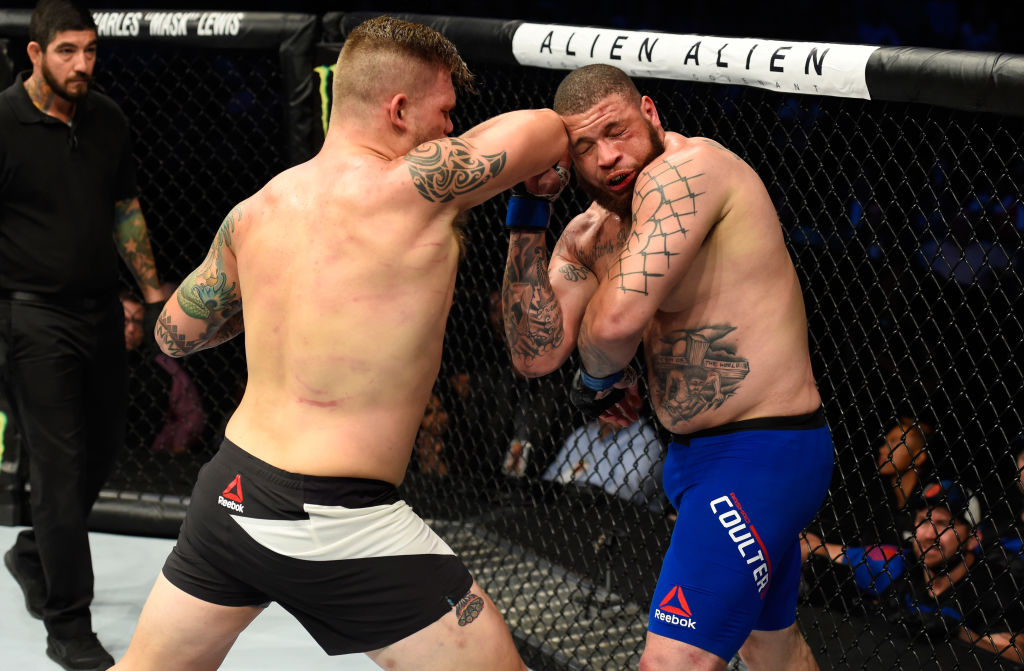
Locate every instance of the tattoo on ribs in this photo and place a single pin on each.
(469, 608)
(694, 371)
(663, 218)
(444, 169)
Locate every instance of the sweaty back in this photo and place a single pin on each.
(351, 276)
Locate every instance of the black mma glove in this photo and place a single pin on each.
(585, 390)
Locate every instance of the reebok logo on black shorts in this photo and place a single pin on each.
(231, 498)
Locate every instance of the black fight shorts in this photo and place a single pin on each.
(346, 556)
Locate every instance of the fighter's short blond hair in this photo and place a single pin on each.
(379, 51)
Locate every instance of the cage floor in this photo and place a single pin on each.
(574, 624)
(125, 568)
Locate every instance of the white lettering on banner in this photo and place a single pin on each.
(220, 23)
(170, 24)
(803, 67)
(117, 24)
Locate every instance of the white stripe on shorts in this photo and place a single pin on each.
(335, 532)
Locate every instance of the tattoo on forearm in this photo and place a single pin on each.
(133, 243)
(594, 361)
(695, 370)
(664, 217)
(176, 344)
(444, 169)
(531, 312)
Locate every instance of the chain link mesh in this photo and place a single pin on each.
(207, 134)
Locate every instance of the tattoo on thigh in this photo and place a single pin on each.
(469, 608)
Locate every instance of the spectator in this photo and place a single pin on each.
(160, 387)
(947, 582)
(975, 594)
(625, 462)
(874, 567)
(903, 458)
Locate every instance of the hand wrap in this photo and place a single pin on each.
(531, 211)
(585, 390)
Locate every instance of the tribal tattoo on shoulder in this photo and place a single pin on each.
(652, 240)
(444, 169)
(694, 371)
(531, 313)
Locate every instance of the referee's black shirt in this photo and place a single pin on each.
(58, 186)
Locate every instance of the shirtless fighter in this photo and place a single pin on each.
(681, 249)
(345, 267)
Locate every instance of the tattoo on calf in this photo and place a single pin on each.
(652, 240)
(444, 169)
(468, 609)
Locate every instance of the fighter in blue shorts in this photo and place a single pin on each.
(681, 251)
(743, 491)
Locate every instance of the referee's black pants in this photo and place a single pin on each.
(66, 378)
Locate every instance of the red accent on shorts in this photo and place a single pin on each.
(680, 607)
(235, 485)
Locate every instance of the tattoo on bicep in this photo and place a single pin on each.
(695, 371)
(469, 608)
(444, 169)
(574, 273)
(530, 310)
(664, 202)
(206, 290)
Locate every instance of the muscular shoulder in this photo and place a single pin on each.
(694, 156)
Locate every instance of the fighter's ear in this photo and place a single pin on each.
(649, 111)
(398, 111)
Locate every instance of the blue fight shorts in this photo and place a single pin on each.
(744, 491)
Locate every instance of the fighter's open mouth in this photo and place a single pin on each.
(618, 179)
